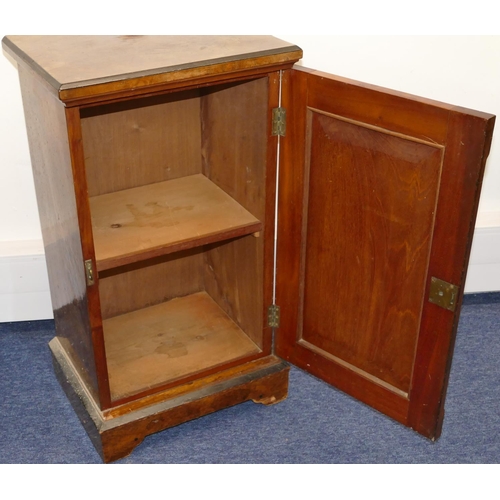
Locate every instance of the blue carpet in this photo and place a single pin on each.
(316, 424)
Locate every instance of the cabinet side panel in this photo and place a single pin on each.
(139, 142)
(235, 157)
(51, 162)
(234, 141)
(233, 278)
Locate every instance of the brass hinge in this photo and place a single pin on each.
(89, 272)
(443, 294)
(273, 316)
(279, 121)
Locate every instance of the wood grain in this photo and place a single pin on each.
(57, 204)
(467, 147)
(233, 276)
(234, 141)
(115, 433)
(371, 252)
(235, 159)
(162, 218)
(163, 333)
(79, 67)
(147, 283)
(266, 386)
(144, 141)
(169, 341)
(186, 387)
(85, 224)
(405, 215)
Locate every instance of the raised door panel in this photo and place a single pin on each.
(376, 271)
(378, 195)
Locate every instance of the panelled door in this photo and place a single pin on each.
(378, 197)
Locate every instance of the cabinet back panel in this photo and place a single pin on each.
(234, 141)
(135, 143)
(150, 282)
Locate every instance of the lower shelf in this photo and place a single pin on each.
(169, 341)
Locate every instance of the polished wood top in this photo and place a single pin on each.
(82, 66)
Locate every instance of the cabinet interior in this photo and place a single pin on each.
(177, 193)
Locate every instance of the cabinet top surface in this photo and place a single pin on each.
(80, 62)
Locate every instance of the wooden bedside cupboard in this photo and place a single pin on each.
(211, 212)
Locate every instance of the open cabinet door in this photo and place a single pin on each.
(378, 198)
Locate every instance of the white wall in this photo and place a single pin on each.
(463, 70)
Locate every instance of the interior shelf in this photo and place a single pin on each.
(168, 341)
(165, 217)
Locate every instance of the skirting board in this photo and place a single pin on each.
(24, 285)
(483, 274)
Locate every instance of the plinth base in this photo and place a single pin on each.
(117, 431)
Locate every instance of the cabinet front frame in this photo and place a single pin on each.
(73, 116)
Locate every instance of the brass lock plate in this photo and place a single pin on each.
(443, 294)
